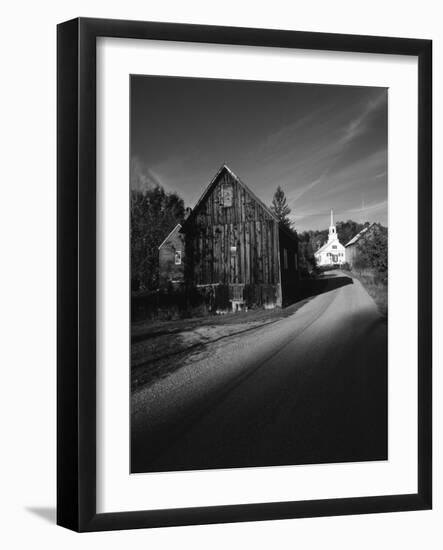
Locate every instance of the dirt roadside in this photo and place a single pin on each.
(159, 348)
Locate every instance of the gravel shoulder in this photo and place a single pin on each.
(160, 348)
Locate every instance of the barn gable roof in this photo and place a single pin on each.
(225, 168)
(359, 235)
(213, 183)
(176, 228)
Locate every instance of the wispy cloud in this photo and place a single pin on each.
(358, 124)
(142, 177)
(326, 146)
(295, 195)
(367, 209)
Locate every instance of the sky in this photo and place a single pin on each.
(325, 145)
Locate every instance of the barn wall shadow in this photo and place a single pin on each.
(314, 287)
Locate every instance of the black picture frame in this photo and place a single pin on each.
(76, 296)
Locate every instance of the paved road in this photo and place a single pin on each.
(310, 388)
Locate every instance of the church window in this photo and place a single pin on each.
(285, 258)
(178, 257)
(334, 246)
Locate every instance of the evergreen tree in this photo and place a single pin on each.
(280, 207)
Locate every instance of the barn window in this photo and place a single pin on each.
(178, 257)
(285, 258)
(226, 195)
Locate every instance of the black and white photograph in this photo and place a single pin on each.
(221, 301)
(259, 273)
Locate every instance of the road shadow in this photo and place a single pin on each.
(313, 287)
(335, 410)
(45, 512)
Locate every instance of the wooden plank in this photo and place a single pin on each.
(226, 254)
(270, 252)
(202, 256)
(231, 256)
(277, 254)
(259, 251)
(238, 212)
(266, 250)
(216, 254)
(222, 254)
(234, 243)
(213, 279)
(265, 237)
(234, 203)
(247, 254)
(237, 251)
(253, 252)
(208, 254)
(215, 207)
(241, 245)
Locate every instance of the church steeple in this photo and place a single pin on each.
(332, 232)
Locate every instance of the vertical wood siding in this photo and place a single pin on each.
(168, 270)
(233, 245)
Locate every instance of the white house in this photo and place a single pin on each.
(332, 252)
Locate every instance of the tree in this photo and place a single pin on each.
(347, 230)
(372, 252)
(154, 213)
(307, 261)
(280, 207)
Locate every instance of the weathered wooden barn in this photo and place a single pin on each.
(235, 244)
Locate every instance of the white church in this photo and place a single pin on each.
(332, 252)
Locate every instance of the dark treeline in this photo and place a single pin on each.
(345, 232)
(154, 213)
